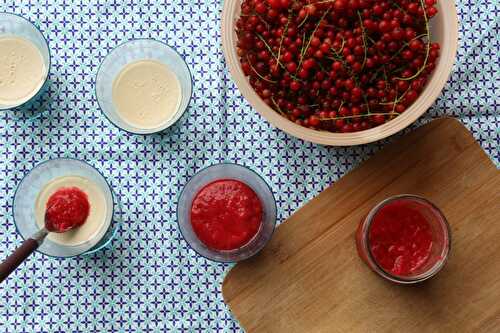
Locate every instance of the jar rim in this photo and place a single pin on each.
(367, 223)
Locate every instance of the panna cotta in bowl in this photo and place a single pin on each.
(24, 61)
(143, 86)
(47, 187)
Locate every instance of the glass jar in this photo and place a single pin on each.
(438, 229)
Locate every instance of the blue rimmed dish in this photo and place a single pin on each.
(12, 25)
(133, 51)
(227, 171)
(31, 186)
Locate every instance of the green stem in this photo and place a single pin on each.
(405, 45)
(277, 106)
(258, 74)
(311, 37)
(367, 104)
(377, 72)
(397, 99)
(325, 1)
(358, 116)
(428, 46)
(364, 40)
(263, 20)
(303, 21)
(283, 36)
(370, 39)
(399, 7)
(338, 110)
(341, 49)
(268, 47)
(277, 60)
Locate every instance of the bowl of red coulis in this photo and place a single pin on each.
(405, 239)
(226, 213)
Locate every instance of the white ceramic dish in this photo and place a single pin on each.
(444, 30)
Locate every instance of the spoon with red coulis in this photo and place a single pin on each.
(66, 209)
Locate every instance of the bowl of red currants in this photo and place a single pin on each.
(340, 72)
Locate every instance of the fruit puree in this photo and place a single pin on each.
(400, 239)
(67, 208)
(226, 214)
(96, 216)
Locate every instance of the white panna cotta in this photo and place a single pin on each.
(146, 94)
(97, 215)
(22, 70)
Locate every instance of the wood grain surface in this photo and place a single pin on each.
(310, 278)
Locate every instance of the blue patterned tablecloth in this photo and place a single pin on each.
(151, 280)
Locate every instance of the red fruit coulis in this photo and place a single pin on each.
(66, 209)
(400, 239)
(226, 214)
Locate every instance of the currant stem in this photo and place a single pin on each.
(358, 116)
(283, 37)
(405, 45)
(269, 49)
(364, 40)
(258, 74)
(277, 60)
(277, 106)
(304, 20)
(310, 38)
(427, 29)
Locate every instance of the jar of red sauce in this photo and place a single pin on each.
(404, 239)
(226, 213)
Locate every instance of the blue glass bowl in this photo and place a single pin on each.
(227, 171)
(15, 25)
(27, 193)
(132, 51)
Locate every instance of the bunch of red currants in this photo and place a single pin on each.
(337, 65)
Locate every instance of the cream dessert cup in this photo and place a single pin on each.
(44, 180)
(24, 61)
(143, 86)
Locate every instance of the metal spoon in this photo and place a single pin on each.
(26, 249)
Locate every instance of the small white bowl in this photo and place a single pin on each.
(12, 25)
(135, 50)
(444, 30)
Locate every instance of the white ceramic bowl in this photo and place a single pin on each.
(444, 30)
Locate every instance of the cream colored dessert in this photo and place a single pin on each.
(22, 70)
(97, 215)
(146, 94)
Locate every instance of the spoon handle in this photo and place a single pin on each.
(21, 253)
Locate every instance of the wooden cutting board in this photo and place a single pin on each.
(310, 278)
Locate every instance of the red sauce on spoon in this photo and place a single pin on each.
(226, 214)
(66, 209)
